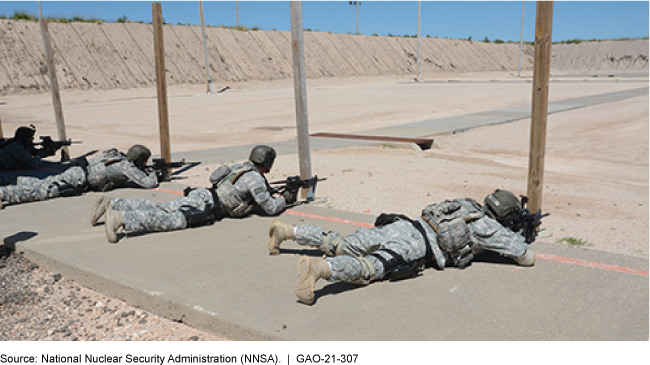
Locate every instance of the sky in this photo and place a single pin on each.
(452, 19)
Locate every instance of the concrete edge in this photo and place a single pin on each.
(163, 307)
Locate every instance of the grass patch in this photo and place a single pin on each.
(574, 241)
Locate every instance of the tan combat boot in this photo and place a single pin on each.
(101, 205)
(528, 259)
(114, 220)
(279, 232)
(310, 270)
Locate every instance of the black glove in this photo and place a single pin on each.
(290, 196)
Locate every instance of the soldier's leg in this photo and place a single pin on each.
(27, 189)
(32, 189)
(360, 243)
(165, 217)
(153, 220)
(358, 270)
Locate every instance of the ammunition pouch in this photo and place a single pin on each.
(449, 219)
(196, 217)
(396, 268)
(67, 189)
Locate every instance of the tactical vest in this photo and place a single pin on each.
(107, 162)
(449, 219)
(234, 202)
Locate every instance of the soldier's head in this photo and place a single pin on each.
(139, 154)
(263, 157)
(504, 207)
(25, 135)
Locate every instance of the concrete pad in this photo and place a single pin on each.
(221, 278)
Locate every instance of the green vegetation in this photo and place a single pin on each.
(574, 241)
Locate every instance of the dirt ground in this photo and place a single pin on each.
(596, 169)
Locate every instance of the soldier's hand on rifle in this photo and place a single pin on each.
(290, 195)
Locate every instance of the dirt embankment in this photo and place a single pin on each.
(112, 55)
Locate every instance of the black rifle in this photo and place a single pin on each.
(48, 143)
(294, 183)
(162, 168)
(528, 222)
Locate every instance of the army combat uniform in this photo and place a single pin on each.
(106, 171)
(234, 195)
(448, 233)
(362, 256)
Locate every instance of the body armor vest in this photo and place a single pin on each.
(235, 202)
(107, 162)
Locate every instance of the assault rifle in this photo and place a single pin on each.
(48, 143)
(528, 222)
(162, 168)
(294, 183)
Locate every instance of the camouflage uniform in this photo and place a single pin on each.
(33, 189)
(145, 216)
(353, 253)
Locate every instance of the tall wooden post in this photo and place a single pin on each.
(300, 92)
(521, 37)
(54, 84)
(542, 68)
(419, 43)
(208, 78)
(159, 52)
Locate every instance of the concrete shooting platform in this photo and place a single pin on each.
(221, 278)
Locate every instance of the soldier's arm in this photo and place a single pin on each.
(139, 177)
(23, 156)
(262, 196)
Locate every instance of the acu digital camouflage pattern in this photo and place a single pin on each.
(249, 190)
(353, 254)
(141, 215)
(28, 189)
(33, 189)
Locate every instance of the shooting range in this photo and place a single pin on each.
(387, 122)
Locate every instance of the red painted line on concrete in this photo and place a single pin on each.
(544, 256)
(331, 219)
(169, 191)
(595, 265)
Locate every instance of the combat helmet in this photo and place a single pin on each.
(24, 134)
(504, 207)
(139, 154)
(263, 155)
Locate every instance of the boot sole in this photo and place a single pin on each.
(99, 210)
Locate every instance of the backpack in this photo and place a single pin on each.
(449, 220)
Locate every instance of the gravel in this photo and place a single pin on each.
(39, 305)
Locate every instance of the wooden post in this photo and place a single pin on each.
(208, 78)
(2, 136)
(159, 52)
(521, 37)
(419, 43)
(542, 68)
(54, 84)
(300, 92)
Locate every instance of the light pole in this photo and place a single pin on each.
(356, 4)
(237, 14)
